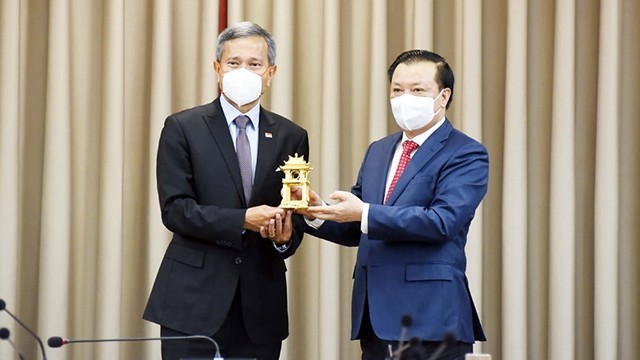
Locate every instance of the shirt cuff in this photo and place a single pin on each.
(315, 223)
(364, 220)
(281, 248)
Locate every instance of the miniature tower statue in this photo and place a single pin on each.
(296, 173)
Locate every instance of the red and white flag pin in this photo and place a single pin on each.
(268, 135)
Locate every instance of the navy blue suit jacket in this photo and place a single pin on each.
(412, 261)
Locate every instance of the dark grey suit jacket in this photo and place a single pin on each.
(202, 203)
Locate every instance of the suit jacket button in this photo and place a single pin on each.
(238, 260)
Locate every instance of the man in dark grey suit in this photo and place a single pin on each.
(218, 190)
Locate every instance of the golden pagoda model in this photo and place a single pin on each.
(296, 173)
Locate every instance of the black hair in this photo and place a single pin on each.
(444, 74)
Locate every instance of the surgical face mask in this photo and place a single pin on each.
(242, 86)
(413, 112)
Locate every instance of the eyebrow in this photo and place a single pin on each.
(412, 84)
(250, 59)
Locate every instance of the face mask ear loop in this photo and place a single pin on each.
(265, 72)
(437, 112)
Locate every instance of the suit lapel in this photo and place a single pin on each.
(381, 172)
(217, 124)
(424, 153)
(267, 140)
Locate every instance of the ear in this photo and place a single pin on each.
(217, 68)
(270, 74)
(446, 94)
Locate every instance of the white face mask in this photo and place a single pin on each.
(413, 112)
(242, 86)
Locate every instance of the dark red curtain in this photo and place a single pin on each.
(222, 15)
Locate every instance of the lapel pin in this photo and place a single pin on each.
(268, 135)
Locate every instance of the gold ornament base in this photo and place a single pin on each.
(294, 205)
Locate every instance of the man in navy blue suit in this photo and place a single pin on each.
(409, 214)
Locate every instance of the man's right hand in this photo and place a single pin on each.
(260, 216)
(314, 200)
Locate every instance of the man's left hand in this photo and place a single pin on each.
(348, 208)
(279, 230)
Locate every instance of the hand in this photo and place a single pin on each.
(278, 231)
(314, 200)
(260, 216)
(348, 208)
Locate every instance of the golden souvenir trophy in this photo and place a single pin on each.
(296, 173)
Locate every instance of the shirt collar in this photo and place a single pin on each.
(420, 139)
(231, 113)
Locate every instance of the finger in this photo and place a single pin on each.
(324, 209)
(339, 195)
(315, 209)
(278, 225)
(314, 197)
(303, 212)
(296, 192)
(288, 222)
(287, 226)
(263, 232)
(272, 228)
(271, 211)
(323, 216)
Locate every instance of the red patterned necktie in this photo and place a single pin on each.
(407, 147)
